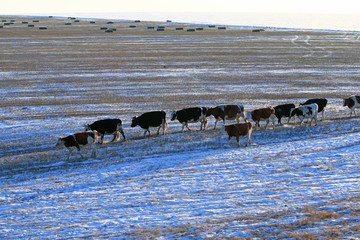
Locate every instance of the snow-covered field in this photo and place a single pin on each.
(292, 182)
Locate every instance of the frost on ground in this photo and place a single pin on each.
(292, 182)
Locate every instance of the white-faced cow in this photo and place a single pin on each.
(226, 112)
(321, 102)
(238, 130)
(107, 126)
(307, 111)
(191, 115)
(352, 103)
(262, 114)
(283, 110)
(79, 140)
(151, 119)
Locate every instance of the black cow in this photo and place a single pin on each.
(283, 110)
(107, 126)
(190, 115)
(321, 102)
(151, 119)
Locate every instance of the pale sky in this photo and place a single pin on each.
(76, 6)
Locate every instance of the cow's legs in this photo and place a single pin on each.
(93, 151)
(70, 152)
(301, 120)
(272, 117)
(353, 110)
(267, 123)
(249, 136)
(183, 126)
(147, 130)
(102, 138)
(82, 156)
(116, 135)
(257, 124)
(216, 121)
(203, 123)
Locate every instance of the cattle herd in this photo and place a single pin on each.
(308, 110)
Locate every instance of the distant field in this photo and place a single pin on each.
(194, 184)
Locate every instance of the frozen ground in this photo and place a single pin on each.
(292, 182)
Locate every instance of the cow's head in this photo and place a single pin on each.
(87, 127)
(204, 110)
(59, 143)
(134, 122)
(173, 116)
(295, 112)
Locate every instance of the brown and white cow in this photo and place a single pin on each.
(226, 112)
(262, 114)
(79, 140)
(238, 130)
(352, 103)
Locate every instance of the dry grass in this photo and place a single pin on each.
(87, 49)
(276, 225)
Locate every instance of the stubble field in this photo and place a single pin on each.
(293, 182)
